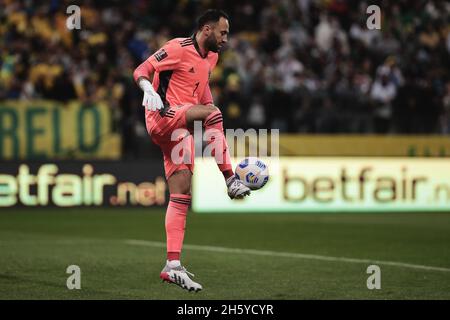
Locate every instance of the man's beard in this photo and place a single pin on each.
(211, 44)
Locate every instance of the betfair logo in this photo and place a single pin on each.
(66, 189)
(367, 184)
(49, 186)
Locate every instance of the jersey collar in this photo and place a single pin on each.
(197, 47)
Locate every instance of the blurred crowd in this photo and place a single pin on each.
(309, 66)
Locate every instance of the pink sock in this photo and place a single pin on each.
(176, 224)
(214, 122)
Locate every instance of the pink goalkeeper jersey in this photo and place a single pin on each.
(182, 74)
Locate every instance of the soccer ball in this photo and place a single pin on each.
(252, 172)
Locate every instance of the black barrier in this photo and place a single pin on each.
(245, 309)
(87, 183)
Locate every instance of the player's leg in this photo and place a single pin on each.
(179, 177)
(180, 198)
(211, 118)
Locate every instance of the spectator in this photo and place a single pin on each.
(383, 92)
(291, 61)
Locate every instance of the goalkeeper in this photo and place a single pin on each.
(178, 96)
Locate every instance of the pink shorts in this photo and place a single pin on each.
(177, 146)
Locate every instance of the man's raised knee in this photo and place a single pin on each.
(200, 113)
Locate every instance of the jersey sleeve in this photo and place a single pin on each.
(168, 57)
(145, 69)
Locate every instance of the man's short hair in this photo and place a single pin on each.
(211, 15)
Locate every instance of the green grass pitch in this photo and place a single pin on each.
(37, 245)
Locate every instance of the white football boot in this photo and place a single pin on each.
(179, 276)
(236, 189)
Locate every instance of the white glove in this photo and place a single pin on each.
(152, 101)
